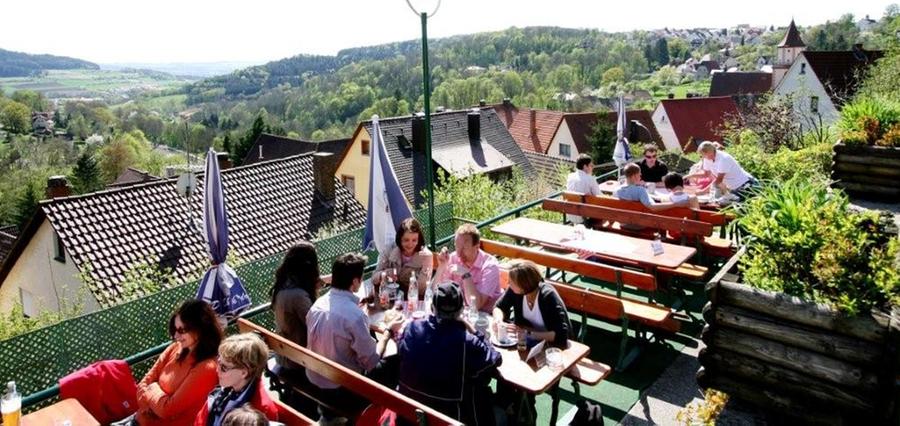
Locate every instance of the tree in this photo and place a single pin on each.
(16, 117)
(613, 75)
(246, 142)
(662, 51)
(124, 150)
(86, 175)
(26, 205)
(34, 100)
(602, 139)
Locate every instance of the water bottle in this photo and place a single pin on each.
(413, 301)
(398, 302)
(429, 297)
(11, 406)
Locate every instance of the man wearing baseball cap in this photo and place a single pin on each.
(446, 364)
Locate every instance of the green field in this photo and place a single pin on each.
(111, 86)
(701, 87)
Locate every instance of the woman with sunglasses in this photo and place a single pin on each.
(242, 359)
(174, 389)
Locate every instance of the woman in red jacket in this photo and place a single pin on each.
(242, 359)
(175, 388)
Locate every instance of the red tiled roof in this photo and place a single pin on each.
(792, 37)
(581, 125)
(518, 121)
(841, 71)
(698, 118)
(740, 83)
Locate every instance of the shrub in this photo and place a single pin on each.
(873, 117)
(812, 162)
(892, 137)
(804, 240)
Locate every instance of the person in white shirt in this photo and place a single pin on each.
(729, 176)
(582, 181)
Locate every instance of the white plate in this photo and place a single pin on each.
(505, 344)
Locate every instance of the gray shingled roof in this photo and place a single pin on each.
(271, 205)
(448, 129)
(275, 147)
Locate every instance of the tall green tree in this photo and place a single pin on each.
(16, 117)
(602, 139)
(662, 51)
(86, 175)
(34, 100)
(246, 142)
(26, 205)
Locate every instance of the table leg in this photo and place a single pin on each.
(554, 395)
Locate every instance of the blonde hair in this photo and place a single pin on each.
(707, 147)
(526, 275)
(247, 351)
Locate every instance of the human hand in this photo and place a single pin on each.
(443, 256)
(583, 253)
(395, 323)
(459, 270)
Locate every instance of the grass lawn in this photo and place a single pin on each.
(112, 86)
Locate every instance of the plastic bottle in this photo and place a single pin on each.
(11, 406)
(413, 303)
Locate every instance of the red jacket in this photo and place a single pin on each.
(106, 389)
(259, 401)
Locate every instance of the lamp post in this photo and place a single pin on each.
(426, 86)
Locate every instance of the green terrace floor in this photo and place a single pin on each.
(621, 390)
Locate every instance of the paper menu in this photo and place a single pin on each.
(535, 351)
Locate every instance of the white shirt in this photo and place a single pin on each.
(680, 199)
(582, 183)
(735, 175)
(533, 315)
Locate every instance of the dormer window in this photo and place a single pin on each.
(404, 142)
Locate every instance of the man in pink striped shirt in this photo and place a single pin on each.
(477, 272)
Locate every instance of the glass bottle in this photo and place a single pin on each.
(11, 406)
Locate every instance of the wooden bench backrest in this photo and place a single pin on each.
(589, 302)
(710, 217)
(376, 393)
(681, 225)
(582, 267)
(292, 417)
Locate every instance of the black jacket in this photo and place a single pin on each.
(550, 305)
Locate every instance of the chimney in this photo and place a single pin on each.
(418, 133)
(507, 102)
(474, 124)
(671, 96)
(482, 103)
(323, 174)
(58, 186)
(260, 157)
(533, 124)
(225, 161)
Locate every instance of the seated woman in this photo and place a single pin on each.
(535, 305)
(408, 256)
(242, 359)
(296, 286)
(174, 389)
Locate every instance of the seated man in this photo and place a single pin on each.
(339, 330)
(446, 364)
(634, 191)
(729, 176)
(652, 170)
(476, 271)
(582, 181)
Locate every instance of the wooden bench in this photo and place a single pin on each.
(716, 246)
(292, 417)
(376, 393)
(596, 304)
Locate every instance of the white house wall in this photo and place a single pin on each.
(46, 279)
(665, 129)
(563, 136)
(803, 87)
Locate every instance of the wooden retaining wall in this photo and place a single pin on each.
(868, 171)
(798, 360)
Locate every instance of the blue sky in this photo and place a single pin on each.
(264, 30)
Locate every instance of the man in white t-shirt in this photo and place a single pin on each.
(582, 181)
(729, 176)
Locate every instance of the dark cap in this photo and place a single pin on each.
(448, 301)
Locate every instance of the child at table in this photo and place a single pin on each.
(675, 184)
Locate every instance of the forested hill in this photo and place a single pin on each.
(18, 64)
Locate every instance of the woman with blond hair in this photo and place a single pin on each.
(242, 359)
(535, 305)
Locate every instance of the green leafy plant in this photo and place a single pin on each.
(806, 241)
(704, 412)
(812, 162)
(873, 117)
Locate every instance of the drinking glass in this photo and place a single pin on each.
(554, 359)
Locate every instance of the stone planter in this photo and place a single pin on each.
(798, 360)
(871, 172)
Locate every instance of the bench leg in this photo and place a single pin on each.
(554, 410)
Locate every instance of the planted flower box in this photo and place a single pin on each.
(867, 171)
(798, 360)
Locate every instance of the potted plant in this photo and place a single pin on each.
(867, 157)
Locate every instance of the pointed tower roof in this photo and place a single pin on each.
(792, 38)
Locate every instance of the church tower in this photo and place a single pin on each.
(788, 50)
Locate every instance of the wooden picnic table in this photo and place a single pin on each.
(607, 244)
(57, 414)
(659, 193)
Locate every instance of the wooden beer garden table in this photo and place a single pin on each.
(606, 244)
(534, 379)
(662, 194)
(55, 415)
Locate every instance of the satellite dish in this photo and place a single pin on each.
(187, 184)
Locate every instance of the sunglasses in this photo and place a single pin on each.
(649, 157)
(180, 330)
(224, 368)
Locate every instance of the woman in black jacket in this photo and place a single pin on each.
(535, 305)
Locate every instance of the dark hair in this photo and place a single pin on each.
(526, 275)
(245, 415)
(345, 269)
(198, 317)
(583, 160)
(632, 169)
(298, 269)
(673, 180)
(410, 224)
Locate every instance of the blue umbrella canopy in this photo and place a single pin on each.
(220, 286)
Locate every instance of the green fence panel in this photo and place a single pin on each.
(38, 359)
